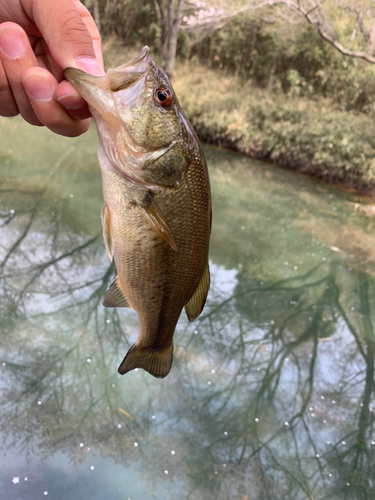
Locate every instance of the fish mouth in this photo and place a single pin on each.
(96, 90)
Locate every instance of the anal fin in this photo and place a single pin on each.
(114, 296)
(107, 231)
(157, 219)
(156, 362)
(196, 304)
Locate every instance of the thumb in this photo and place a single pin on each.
(70, 34)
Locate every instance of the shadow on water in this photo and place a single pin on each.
(271, 395)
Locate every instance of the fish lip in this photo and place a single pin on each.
(78, 76)
(142, 56)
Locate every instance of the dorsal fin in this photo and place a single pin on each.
(196, 304)
(114, 296)
(157, 219)
(107, 232)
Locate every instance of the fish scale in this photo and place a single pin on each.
(191, 237)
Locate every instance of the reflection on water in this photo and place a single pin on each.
(271, 395)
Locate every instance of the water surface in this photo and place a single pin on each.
(271, 393)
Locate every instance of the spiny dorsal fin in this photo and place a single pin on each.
(158, 363)
(196, 304)
(157, 219)
(107, 232)
(114, 296)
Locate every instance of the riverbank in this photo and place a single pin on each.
(308, 135)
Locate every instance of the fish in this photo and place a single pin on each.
(157, 211)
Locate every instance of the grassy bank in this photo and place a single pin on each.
(305, 134)
(297, 133)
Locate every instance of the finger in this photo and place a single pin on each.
(8, 106)
(49, 111)
(66, 34)
(45, 59)
(16, 57)
(67, 96)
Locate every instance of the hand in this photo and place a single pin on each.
(38, 40)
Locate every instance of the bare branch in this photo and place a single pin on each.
(359, 19)
(319, 23)
(214, 21)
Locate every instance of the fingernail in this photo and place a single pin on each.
(90, 65)
(70, 101)
(38, 88)
(12, 43)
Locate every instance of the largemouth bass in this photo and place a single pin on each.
(157, 205)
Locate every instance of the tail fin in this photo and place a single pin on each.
(158, 363)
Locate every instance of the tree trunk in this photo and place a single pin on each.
(172, 41)
(170, 20)
(95, 5)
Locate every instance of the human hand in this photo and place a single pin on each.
(38, 40)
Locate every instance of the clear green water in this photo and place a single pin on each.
(271, 394)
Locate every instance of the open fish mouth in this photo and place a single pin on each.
(96, 90)
(139, 65)
(111, 94)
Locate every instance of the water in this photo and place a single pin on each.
(271, 393)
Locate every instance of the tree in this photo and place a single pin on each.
(193, 16)
(347, 25)
(94, 6)
(169, 14)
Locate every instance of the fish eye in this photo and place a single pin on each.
(163, 96)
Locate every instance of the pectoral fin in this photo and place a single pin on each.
(196, 304)
(114, 296)
(107, 232)
(157, 219)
